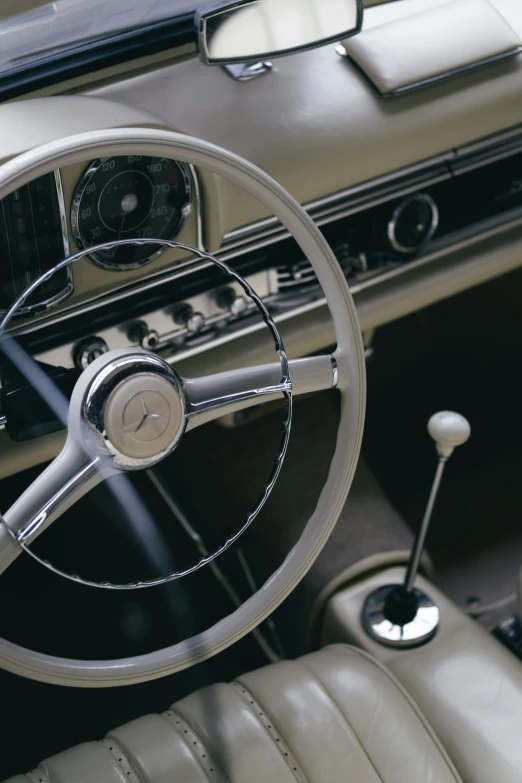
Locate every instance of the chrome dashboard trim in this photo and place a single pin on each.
(251, 329)
(352, 200)
(63, 211)
(269, 231)
(196, 190)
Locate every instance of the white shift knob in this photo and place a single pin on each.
(448, 430)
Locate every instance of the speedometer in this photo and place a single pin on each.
(130, 197)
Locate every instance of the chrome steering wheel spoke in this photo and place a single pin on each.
(68, 478)
(213, 396)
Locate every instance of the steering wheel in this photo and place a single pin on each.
(107, 403)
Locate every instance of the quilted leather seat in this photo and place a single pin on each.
(332, 716)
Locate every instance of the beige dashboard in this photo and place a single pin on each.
(318, 127)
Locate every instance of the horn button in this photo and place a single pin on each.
(144, 416)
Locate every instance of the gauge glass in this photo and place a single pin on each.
(129, 197)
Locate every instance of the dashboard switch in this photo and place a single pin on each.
(87, 350)
(228, 299)
(195, 323)
(184, 315)
(140, 333)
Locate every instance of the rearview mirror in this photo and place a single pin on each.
(243, 30)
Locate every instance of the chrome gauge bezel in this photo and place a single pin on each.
(425, 198)
(102, 263)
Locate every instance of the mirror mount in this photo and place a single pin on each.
(239, 32)
(244, 72)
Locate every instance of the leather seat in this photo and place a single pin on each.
(334, 715)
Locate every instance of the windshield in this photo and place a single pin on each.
(66, 25)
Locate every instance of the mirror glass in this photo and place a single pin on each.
(255, 29)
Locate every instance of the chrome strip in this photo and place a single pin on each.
(199, 217)
(65, 232)
(353, 199)
(448, 74)
(63, 212)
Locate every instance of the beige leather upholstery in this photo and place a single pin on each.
(332, 716)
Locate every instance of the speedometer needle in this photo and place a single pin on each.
(120, 232)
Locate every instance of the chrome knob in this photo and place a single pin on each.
(184, 315)
(228, 299)
(140, 333)
(195, 323)
(87, 350)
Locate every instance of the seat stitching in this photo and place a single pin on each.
(38, 775)
(344, 717)
(191, 738)
(255, 707)
(121, 757)
(412, 703)
(47, 772)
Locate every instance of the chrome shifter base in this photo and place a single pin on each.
(413, 633)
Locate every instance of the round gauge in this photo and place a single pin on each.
(129, 197)
(413, 223)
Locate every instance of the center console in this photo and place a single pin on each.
(466, 683)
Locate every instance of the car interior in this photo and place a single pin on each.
(260, 432)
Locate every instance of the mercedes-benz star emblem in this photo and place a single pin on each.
(146, 416)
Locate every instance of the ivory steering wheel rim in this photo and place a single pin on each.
(349, 358)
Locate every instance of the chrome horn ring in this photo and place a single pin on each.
(105, 398)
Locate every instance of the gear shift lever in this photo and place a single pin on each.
(401, 615)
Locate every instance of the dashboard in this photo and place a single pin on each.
(420, 198)
(378, 231)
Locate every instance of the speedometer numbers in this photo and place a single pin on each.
(130, 197)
